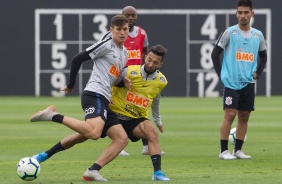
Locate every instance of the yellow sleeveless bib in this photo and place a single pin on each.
(136, 103)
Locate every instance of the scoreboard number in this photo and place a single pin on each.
(209, 27)
(102, 20)
(59, 27)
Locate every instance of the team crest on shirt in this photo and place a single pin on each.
(162, 79)
(234, 32)
(228, 100)
(133, 73)
(256, 35)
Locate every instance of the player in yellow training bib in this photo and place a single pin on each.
(132, 105)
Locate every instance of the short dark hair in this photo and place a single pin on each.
(119, 20)
(245, 3)
(158, 50)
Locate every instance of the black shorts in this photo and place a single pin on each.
(242, 100)
(95, 105)
(129, 126)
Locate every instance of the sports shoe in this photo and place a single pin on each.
(226, 155)
(92, 175)
(144, 152)
(41, 157)
(124, 153)
(159, 175)
(44, 115)
(241, 155)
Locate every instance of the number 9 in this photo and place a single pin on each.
(58, 81)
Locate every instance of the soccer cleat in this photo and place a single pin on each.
(226, 155)
(44, 115)
(41, 157)
(144, 152)
(160, 176)
(92, 175)
(241, 155)
(124, 153)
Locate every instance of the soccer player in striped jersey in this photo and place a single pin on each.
(242, 46)
(109, 57)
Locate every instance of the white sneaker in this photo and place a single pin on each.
(124, 153)
(146, 152)
(44, 115)
(241, 155)
(226, 155)
(92, 175)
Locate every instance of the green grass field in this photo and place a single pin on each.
(190, 139)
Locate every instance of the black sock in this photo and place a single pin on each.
(145, 142)
(55, 149)
(58, 118)
(95, 167)
(224, 145)
(238, 144)
(156, 160)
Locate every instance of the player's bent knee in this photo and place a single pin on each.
(93, 135)
(122, 140)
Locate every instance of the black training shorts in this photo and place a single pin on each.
(95, 105)
(129, 126)
(242, 100)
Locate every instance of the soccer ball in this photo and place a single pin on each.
(28, 168)
(232, 136)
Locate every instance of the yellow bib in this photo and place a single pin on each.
(136, 103)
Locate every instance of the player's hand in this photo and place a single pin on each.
(127, 82)
(255, 76)
(66, 90)
(161, 128)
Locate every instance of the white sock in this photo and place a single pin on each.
(145, 148)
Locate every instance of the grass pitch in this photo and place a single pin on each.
(190, 139)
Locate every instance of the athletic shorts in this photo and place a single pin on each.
(242, 100)
(129, 126)
(95, 105)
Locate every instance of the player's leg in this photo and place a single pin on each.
(115, 131)
(64, 144)
(95, 107)
(230, 105)
(246, 105)
(241, 131)
(146, 130)
(91, 128)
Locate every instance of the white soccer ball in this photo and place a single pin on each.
(28, 168)
(232, 136)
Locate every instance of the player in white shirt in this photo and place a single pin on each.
(109, 57)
